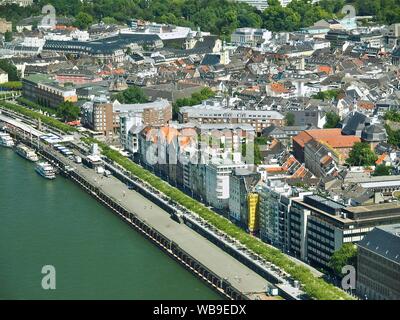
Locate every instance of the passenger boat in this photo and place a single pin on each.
(46, 170)
(26, 152)
(6, 140)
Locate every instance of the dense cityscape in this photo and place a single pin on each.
(268, 131)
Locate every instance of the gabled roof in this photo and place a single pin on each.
(211, 59)
(384, 241)
(354, 123)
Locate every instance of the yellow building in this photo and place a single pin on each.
(5, 25)
(253, 217)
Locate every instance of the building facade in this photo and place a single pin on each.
(3, 76)
(378, 264)
(319, 226)
(5, 25)
(211, 113)
(46, 92)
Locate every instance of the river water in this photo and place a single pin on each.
(95, 254)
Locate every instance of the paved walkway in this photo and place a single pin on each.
(217, 260)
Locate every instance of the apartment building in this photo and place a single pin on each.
(217, 182)
(134, 117)
(213, 112)
(99, 116)
(45, 91)
(274, 205)
(242, 183)
(378, 264)
(319, 226)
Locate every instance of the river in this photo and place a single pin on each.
(95, 254)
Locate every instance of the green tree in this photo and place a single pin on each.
(392, 115)
(327, 95)
(393, 135)
(289, 119)
(382, 170)
(131, 95)
(196, 98)
(83, 20)
(8, 36)
(277, 18)
(332, 120)
(67, 111)
(10, 69)
(361, 155)
(346, 255)
(110, 20)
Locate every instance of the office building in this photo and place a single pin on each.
(378, 264)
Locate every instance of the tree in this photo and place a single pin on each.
(278, 18)
(83, 20)
(393, 135)
(332, 120)
(361, 155)
(346, 255)
(382, 170)
(67, 111)
(392, 115)
(131, 95)
(8, 36)
(196, 98)
(289, 119)
(327, 95)
(10, 69)
(110, 20)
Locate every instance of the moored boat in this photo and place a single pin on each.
(46, 170)
(26, 152)
(6, 140)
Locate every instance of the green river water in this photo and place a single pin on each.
(95, 254)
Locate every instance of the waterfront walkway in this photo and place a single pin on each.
(207, 253)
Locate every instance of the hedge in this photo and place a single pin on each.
(36, 115)
(315, 288)
(32, 105)
(11, 85)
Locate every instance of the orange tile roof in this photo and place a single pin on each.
(381, 158)
(275, 169)
(341, 142)
(326, 69)
(366, 105)
(278, 88)
(332, 137)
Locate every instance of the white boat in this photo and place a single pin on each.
(45, 170)
(6, 140)
(26, 152)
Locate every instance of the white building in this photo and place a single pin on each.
(275, 203)
(263, 4)
(3, 76)
(217, 178)
(21, 3)
(250, 37)
(133, 117)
